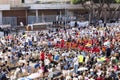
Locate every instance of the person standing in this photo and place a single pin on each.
(42, 56)
(76, 64)
(108, 51)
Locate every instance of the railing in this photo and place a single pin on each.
(9, 20)
(33, 19)
(49, 18)
(111, 24)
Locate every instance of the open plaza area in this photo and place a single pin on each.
(60, 40)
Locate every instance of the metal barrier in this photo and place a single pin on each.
(48, 18)
(9, 20)
(31, 19)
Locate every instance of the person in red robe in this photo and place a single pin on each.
(57, 45)
(100, 78)
(95, 50)
(87, 49)
(62, 43)
(42, 56)
(50, 57)
(81, 47)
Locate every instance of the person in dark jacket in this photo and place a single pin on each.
(108, 52)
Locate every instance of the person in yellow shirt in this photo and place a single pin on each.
(81, 58)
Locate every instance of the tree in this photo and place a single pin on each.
(118, 1)
(76, 1)
(105, 1)
(100, 9)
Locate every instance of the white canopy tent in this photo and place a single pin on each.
(80, 24)
(5, 26)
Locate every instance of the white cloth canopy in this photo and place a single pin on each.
(80, 24)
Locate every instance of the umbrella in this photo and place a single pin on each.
(82, 69)
(107, 43)
(88, 45)
(24, 79)
(25, 35)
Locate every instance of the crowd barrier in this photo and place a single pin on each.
(111, 24)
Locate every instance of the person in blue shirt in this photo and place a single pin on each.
(56, 57)
(37, 65)
(30, 43)
(29, 69)
(49, 44)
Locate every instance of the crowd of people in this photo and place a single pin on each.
(87, 53)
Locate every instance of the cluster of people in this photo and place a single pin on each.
(89, 53)
(5, 31)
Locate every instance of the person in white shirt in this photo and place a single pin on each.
(76, 64)
(75, 78)
(68, 77)
(47, 61)
(15, 76)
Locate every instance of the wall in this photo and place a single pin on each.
(29, 1)
(20, 14)
(4, 7)
(0, 17)
(4, 1)
(54, 0)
